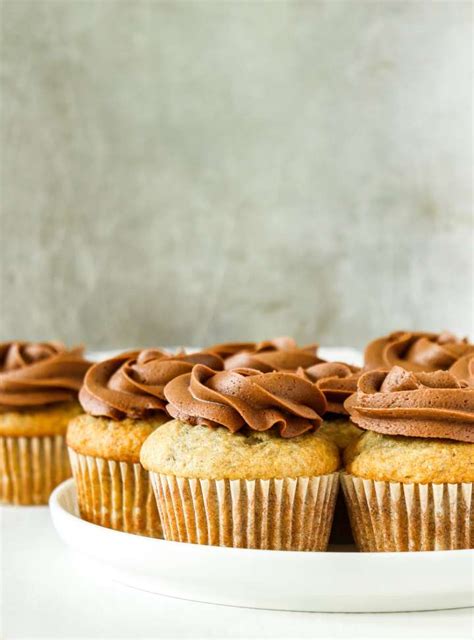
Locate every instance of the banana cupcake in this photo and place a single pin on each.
(241, 466)
(409, 478)
(337, 381)
(416, 351)
(279, 354)
(124, 403)
(39, 383)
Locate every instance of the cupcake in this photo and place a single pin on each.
(124, 403)
(416, 351)
(409, 478)
(337, 381)
(39, 383)
(241, 465)
(279, 354)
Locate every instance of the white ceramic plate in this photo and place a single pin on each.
(291, 580)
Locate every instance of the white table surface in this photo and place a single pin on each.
(47, 591)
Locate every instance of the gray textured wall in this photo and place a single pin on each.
(184, 172)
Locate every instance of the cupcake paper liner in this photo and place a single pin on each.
(30, 468)
(396, 516)
(115, 494)
(287, 514)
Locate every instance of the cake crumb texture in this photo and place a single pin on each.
(110, 439)
(403, 459)
(187, 451)
(45, 421)
(341, 431)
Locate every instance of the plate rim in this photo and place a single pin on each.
(55, 508)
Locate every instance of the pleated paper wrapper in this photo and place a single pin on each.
(286, 514)
(115, 494)
(30, 468)
(396, 516)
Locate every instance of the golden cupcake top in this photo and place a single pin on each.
(376, 456)
(111, 439)
(131, 385)
(425, 405)
(416, 351)
(340, 430)
(194, 451)
(39, 374)
(50, 420)
(282, 401)
(337, 381)
(278, 354)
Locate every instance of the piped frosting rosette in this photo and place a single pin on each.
(279, 354)
(132, 384)
(246, 397)
(39, 374)
(463, 370)
(416, 351)
(337, 381)
(425, 405)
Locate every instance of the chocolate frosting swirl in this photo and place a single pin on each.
(131, 385)
(337, 380)
(227, 349)
(246, 398)
(279, 354)
(425, 405)
(463, 370)
(35, 374)
(416, 351)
